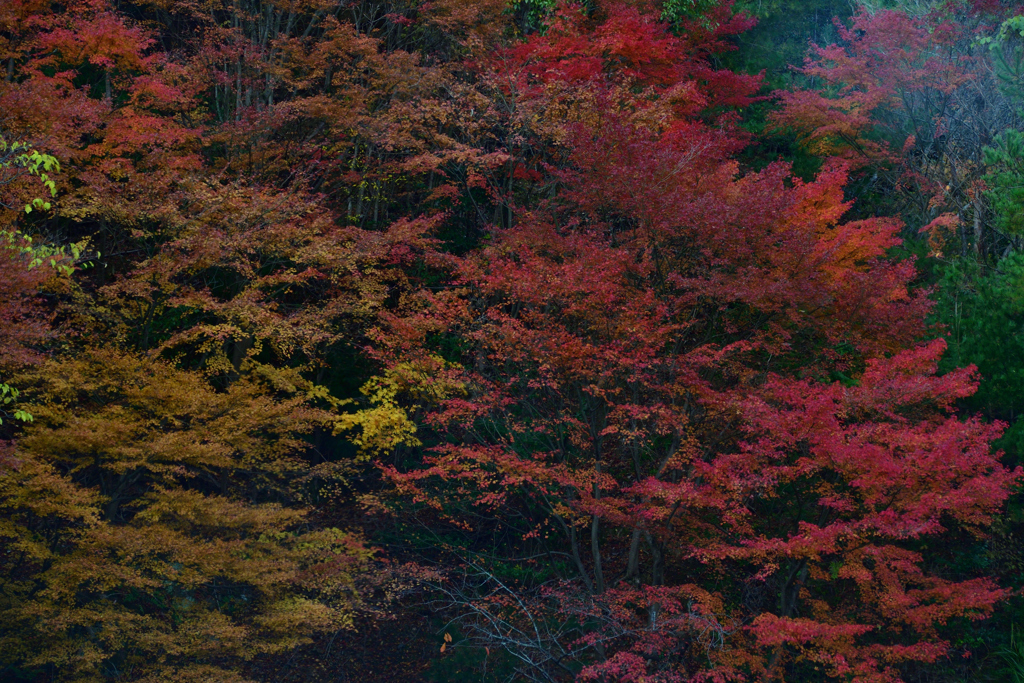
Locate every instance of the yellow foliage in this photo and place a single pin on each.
(386, 425)
(149, 526)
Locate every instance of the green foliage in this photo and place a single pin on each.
(1005, 180)
(778, 42)
(914, 8)
(531, 16)
(19, 155)
(1012, 657)
(9, 395)
(984, 314)
(64, 259)
(681, 10)
(1005, 159)
(1007, 51)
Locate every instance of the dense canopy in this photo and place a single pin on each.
(511, 340)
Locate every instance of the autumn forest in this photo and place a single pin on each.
(639, 341)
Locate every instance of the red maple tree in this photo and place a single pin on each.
(692, 401)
